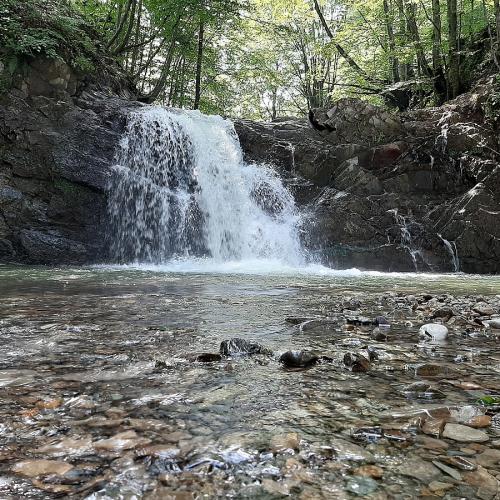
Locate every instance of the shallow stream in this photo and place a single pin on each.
(97, 376)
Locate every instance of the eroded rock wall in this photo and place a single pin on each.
(57, 144)
(394, 192)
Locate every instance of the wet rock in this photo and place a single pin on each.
(378, 335)
(439, 487)
(422, 390)
(369, 471)
(357, 363)
(433, 331)
(430, 370)
(443, 312)
(432, 443)
(419, 469)
(458, 462)
(359, 321)
(448, 470)
(289, 441)
(489, 458)
(297, 320)
(488, 486)
(67, 447)
(483, 309)
(319, 325)
(42, 467)
(164, 451)
(204, 357)
(464, 434)
(122, 441)
(372, 353)
(275, 488)
(237, 346)
(493, 323)
(345, 450)
(361, 486)
(298, 359)
(381, 321)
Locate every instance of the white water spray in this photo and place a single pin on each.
(183, 191)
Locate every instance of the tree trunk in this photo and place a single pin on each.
(393, 62)
(453, 56)
(120, 22)
(497, 23)
(439, 82)
(199, 66)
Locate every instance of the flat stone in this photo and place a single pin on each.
(464, 434)
(67, 447)
(479, 422)
(346, 450)
(42, 467)
(275, 488)
(419, 469)
(448, 470)
(432, 443)
(122, 441)
(437, 486)
(298, 359)
(483, 309)
(488, 486)
(489, 458)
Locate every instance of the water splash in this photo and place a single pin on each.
(182, 190)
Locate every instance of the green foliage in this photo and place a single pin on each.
(49, 28)
(489, 400)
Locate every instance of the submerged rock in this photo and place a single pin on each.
(237, 346)
(33, 468)
(356, 362)
(204, 357)
(298, 359)
(464, 434)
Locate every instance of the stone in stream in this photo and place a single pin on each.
(359, 321)
(241, 347)
(464, 434)
(443, 312)
(280, 442)
(419, 469)
(483, 309)
(422, 390)
(433, 331)
(33, 468)
(492, 323)
(298, 359)
(347, 451)
(378, 335)
(204, 357)
(361, 486)
(357, 363)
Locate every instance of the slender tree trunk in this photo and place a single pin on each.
(130, 26)
(437, 59)
(120, 22)
(453, 56)
(352, 63)
(199, 66)
(135, 51)
(391, 42)
(497, 23)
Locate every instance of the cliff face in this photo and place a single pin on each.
(419, 190)
(57, 142)
(380, 191)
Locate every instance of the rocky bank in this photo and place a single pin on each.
(383, 191)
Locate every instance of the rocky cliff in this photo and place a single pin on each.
(381, 191)
(57, 141)
(394, 192)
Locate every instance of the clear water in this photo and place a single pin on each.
(90, 339)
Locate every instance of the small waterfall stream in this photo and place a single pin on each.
(182, 190)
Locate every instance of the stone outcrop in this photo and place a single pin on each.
(396, 192)
(57, 142)
(379, 190)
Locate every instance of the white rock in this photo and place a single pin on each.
(434, 331)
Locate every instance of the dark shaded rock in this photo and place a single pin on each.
(378, 335)
(356, 362)
(358, 321)
(372, 353)
(237, 346)
(298, 359)
(204, 357)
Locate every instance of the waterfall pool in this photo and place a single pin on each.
(102, 396)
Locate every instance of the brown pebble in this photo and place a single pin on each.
(369, 471)
(480, 421)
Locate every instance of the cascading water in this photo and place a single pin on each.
(182, 190)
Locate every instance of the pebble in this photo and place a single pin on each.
(274, 487)
(345, 450)
(419, 469)
(489, 458)
(237, 346)
(448, 470)
(438, 486)
(356, 362)
(361, 486)
(122, 441)
(464, 434)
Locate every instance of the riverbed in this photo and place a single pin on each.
(105, 393)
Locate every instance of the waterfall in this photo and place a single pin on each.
(182, 190)
(451, 247)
